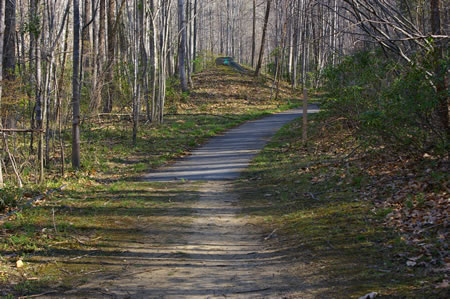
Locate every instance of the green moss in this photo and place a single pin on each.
(319, 210)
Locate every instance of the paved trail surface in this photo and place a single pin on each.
(225, 157)
(216, 254)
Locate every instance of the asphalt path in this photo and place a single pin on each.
(225, 157)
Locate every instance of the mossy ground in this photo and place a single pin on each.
(312, 198)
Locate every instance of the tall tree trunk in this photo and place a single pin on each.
(76, 87)
(194, 50)
(40, 101)
(108, 104)
(263, 39)
(295, 46)
(9, 44)
(2, 34)
(439, 70)
(59, 96)
(227, 30)
(165, 8)
(188, 50)
(100, 55)
(153, 62)
(182, 47)
(137, 30)
(9, 53)
(85, 36)
(2, 21)
(254, 33)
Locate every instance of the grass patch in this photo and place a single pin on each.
(79, 233)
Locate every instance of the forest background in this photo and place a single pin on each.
(83, 82)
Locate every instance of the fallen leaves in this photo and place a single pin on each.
(414, 192)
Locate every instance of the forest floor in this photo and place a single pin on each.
(305, 222)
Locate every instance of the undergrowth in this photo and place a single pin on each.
(334, 203)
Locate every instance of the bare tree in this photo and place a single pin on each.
(195, 38)
(440, 71)
(76, 160)
(111, 42)
(2, 21)
(182, 46)
(263, 38)
(254, 33)
(9, 44)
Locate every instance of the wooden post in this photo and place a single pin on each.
(305, 116)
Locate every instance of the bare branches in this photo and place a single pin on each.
(390, 27)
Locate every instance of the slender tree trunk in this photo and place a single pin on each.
(9, 44)
(85, 36)
(137, 29)
(76, 87)
(2, 34)
(108, 98)
(2, 28)
(153, 61)
(296, 46)
(59, 108)
(304, 45)
(254, 33)
(100, 56)
(279, 72)
(227, 30)
(182, 47)
(439, 70)
(263, 39)
(194, 50)
(188, 50)
(221, 30)
(40, 102)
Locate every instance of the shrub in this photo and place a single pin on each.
(387, 103)
(9, 197)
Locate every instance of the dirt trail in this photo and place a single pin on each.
(218, 255)
(202, 249)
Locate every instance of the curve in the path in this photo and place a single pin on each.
(225, 157)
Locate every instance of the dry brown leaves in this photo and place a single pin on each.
(414, 192)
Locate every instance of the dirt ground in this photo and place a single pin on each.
(213, 253)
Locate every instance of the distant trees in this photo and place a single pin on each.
(127, 49)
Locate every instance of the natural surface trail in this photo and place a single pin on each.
(210, 253)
